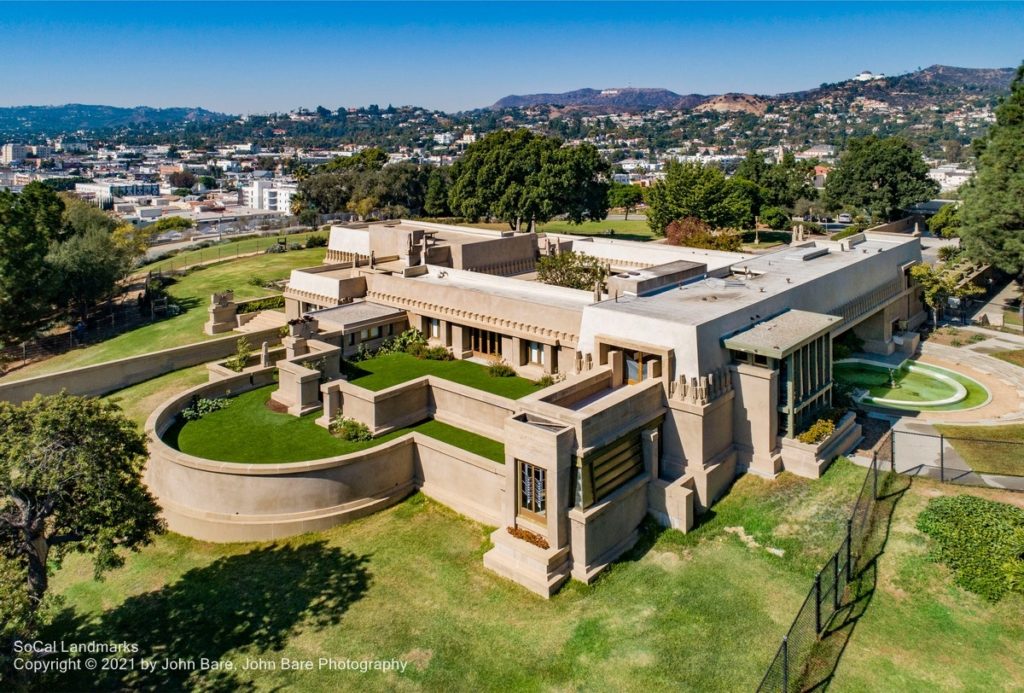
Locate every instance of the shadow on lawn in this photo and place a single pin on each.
(824, 659)
(252, 602)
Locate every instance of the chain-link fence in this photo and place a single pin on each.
(829, 592)
(954, 459)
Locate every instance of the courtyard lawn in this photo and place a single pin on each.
(223, 251)
(247, 431)
(627, 230)
(703, 611)
(485, 447)
(920, 631)
(192, 294)
(989, 449)
(382, 372)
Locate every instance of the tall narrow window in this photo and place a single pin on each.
(435, 328)
(535, 352)
(532, 489)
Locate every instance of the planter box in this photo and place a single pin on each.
(812, 459)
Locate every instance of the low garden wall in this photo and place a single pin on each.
(101, 378)
(812, 459)
(227, 501)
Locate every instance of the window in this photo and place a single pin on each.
(352, 339)
(370, 333)
(435, 328)
(535, 353)
(532, 489)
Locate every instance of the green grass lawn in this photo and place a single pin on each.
(1016, 357)
(192, 293)
(703, 611)
(921, 632)
(628, 230)
(139, 401)
(223, 251)
(247, 431)
(382, 372)
(989, 449)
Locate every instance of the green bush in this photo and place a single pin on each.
(202, 406)
(818, 431)
(775, 218)
(847, 232)
(269, 303)
(546, 380)
(256, 280)
(982, 542)
(500, 369)
(317, 240)
(350, 429)
(240, 360)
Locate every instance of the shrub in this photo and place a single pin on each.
(694, 233)
(546, 380)
(317, 240)
(847, 232)
(240, 360)
(775, 218)
(437, 353)
(276, 248)
(256, 280)
(295, 245)
(982, 542)
(948, 253)
(350, 429)
(269, 303)
(818, 431)
(202, 406)
(500, 369)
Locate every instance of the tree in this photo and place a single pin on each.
(946, 222)
(775, 218)
(71, 480)
(992, 215)
(702, 192)
(436, 202)
(881, 176)
(695, 233)
(520, 177)
(572, 270)
(182, 179)
(625, 197)
(938, 285)
(86, 268)
(29, 222)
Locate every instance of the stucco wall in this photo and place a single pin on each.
(226, 501)
(106, 377)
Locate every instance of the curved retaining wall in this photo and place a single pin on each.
(228, 501)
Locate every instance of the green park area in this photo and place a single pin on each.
(248, 431)
(223, 250)
(702, 611)
(191, 293)
(382, 372)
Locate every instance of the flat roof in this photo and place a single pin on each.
(356, 312)
(507, 287)
(782, 334)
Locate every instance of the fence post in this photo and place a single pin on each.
(942, 457)
(785, 663)
(849, 549)
(892, 449)
(836, 601)
(874, 480)
(817, 603)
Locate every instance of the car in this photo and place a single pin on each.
(845, 219)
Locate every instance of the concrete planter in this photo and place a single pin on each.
(812, 459)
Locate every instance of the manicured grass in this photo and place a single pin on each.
(247, 431)
(704, 611)
(192, 294)
(989, 449)
(382, 372)
(1012, 317)
(1016, 357)
(223, 251)
(628, 230)
(922, 632)
(485, 447)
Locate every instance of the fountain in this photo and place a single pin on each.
(892, 379)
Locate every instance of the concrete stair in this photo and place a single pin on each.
(264, 320)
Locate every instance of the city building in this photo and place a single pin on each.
(103, 191)
(13, 152)
(270, 195)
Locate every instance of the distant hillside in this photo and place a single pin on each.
(923, 87)
(31, 120)
(607, 100)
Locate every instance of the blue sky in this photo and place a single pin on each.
(252, 57)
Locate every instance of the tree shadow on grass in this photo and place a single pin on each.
(253, 602)
(824, 659)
